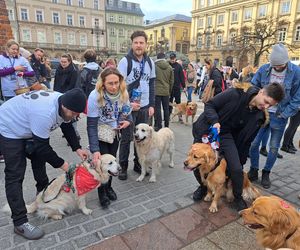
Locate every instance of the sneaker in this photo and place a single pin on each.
(239, 204)
(287, 149)
(29, 231)
(265, 179)
(279, 156)
(253, 174)
(292, 147)
(1, 159)
(111, 194)
(263, 151)
(199, 194)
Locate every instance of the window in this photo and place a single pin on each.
(120, 4)
(111, 18)
(113, 46)
(297, 35)
(247, 14)
(232, 38)
(209, 21)
(128, 5)
(221, 1)
(96, 4)
(111, 2)
(162, 32)
(234, 16)
(208, 41)
(121, 32)
(54, 1)
(71, 38)
(285, 7)
(200, 23)
(68, 2)
(221, 19)
(69, 20)
(82, 21)
(185, 33)
(57, 38)
(26, 34)
(262, 11)
(112, 31)
(219, 40)
(298, 6)
(199, 42)
(55, 17)
(96, 22)
(129, 20)
(282, 35)
(121, 19)
(24, 14)
(150, 37)
(41, 36)
(210, 2)
(83, 40)
(11, 14)
(81, 3)
(202, 3)
(39, 16)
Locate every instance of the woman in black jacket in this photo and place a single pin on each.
(67, 75)
(215, 75)
(238, 115)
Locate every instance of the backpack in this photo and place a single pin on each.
(129, 63)
(89, 82)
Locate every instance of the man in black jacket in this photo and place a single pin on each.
(37, 63)
(237, 115)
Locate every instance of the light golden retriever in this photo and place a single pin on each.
(150, 147)
(202, 156)
(55, 202)
(277, 223)
(185, 108)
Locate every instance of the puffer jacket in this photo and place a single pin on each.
(66, 79)
(164, 78)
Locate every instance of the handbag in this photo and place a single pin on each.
(208, 92)
(106, 133)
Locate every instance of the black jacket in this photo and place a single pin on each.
(178, 75)
(38, 67)
(225, 108)
(217, 77)
(66, 79)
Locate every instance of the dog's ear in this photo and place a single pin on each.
(280, 221)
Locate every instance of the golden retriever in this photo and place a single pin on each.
(185, 108)
(202, 156)
(150, 146)
(56, 202)
(277, 223)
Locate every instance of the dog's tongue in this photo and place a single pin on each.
(85, 181)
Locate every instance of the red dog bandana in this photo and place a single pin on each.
(85, 181)
(284, 204)
(189, 112)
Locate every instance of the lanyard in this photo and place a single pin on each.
(142, 66)
(115, 109)
(12, 63)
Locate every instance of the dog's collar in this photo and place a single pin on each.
(291, 234)
(216, 166)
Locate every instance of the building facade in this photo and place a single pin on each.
(171, 33)
(216, 24)
(59, 26)
(122, 18)
(5, 30)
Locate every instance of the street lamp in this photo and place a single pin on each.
(97, 31)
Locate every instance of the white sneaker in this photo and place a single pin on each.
(1, 159)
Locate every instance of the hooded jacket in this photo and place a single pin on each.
(66, 79)
(88, 76)
(178, 75)
(164, 78)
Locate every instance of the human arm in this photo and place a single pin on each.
(171, 81)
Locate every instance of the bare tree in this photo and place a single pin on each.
(260, 37)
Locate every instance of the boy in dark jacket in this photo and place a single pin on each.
(237, 115)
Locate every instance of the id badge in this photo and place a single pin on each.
(13, 77)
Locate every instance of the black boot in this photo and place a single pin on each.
(109, 190)
(201, 191)
(123, 174)
(137, 166)
(292, 147)
(265, 179)
(104, 200)
(263, 151)
(239, 204)
(253, 174)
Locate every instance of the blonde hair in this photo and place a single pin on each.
(100, 85)
(11, 42)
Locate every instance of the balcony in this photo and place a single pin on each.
(52, 46)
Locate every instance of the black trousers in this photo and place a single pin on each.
(164, 102)
(291, 130)
(176, 94)
(141, 116)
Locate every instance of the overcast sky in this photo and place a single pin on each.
(154, 9)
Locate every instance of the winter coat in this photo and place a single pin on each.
(66, 79)
(191, 78)
(164, 78)
(217, 77)
(178, 76)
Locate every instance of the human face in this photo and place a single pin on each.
(279, 68)
(172, 60)
(64, 62)
(112, 84)
(262, 101)
(139, 46)
(38, 55)
(68, 115)
(13, 50)
(207, 65)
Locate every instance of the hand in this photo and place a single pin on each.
(123, 124)
(218, 126)
(65, 166)
(96, 158)
(20, 68)
(135, 106)
(151, 111)
(83, 154)
(20, 74)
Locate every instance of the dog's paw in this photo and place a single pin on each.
(141, 178)
(213, 208)
(87, 211)
(207, 197)
(56, 216)
(152, 179)
(171, 165)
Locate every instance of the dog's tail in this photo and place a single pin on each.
(250, 192)
(32, 207)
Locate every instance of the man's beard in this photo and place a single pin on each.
(279, 70)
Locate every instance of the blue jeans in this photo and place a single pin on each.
(190, 92)
(265, 137)
(276, 126)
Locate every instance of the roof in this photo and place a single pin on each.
(176, 17)
(125, 7)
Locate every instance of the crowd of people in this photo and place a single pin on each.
(118, 96)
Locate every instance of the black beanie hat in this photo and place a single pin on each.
(74, 100)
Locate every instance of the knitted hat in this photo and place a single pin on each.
(74, 100)
(279, 55)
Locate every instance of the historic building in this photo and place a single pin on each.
(59, 26)
(171, 33)
(122, 18)
(5, 28)
(216, 24)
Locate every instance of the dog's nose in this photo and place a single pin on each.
(136, 136)
(185, 163)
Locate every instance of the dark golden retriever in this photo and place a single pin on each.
(202, 156)
(277, 223)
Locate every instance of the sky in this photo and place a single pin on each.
(154, 9)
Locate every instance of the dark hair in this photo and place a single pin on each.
(275, 91)
(138, 33)
(208, 61)
(68, 56)
(90, 55)
(229, 62)
(161, 55)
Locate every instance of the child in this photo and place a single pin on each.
(108, 109)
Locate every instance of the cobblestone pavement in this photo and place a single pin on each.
(137, 204)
